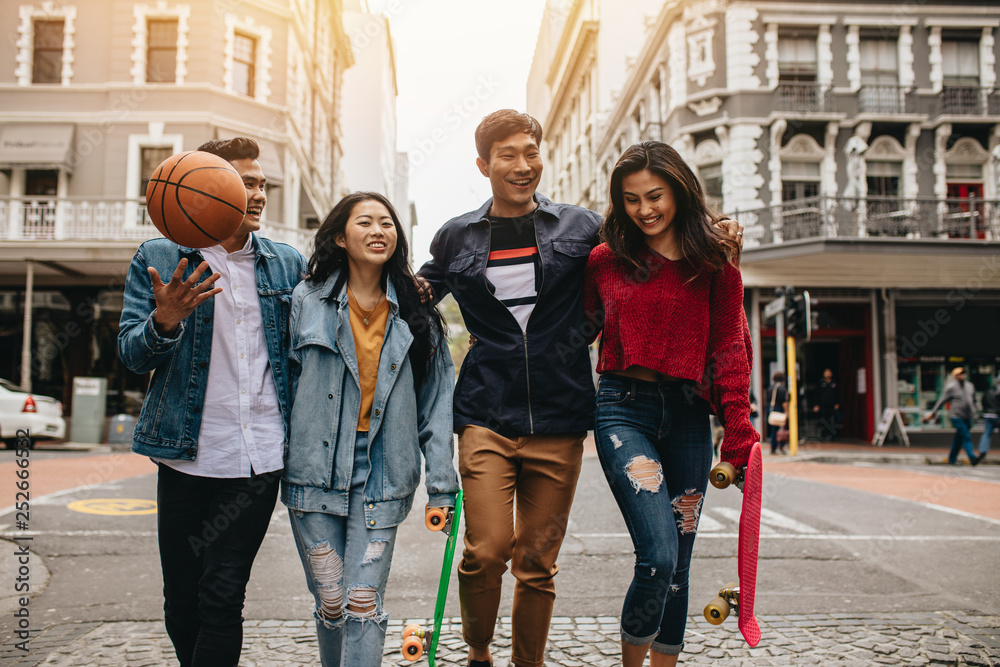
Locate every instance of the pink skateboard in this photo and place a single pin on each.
(740, 597)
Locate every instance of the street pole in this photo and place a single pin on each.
(793, 393)
(779, 335)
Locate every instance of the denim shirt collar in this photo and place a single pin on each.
(545, 205)
(331, 283)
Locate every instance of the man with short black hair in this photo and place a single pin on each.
(215, 415)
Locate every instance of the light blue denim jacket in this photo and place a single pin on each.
(170, 420)
(326, 401)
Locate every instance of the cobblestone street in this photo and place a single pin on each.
(818, 639)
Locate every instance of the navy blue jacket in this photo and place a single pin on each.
(521, 383)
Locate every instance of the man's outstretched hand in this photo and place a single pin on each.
(179, 298)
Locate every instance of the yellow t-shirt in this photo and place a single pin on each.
(368, 346)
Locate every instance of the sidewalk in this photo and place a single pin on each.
(859, 640)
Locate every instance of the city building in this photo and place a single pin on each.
(371, 162)
(95, 95)
(857, 142)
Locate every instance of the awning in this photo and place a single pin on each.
(36, 147)
(272, 161)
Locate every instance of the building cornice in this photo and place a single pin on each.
(798, 8)
(564, 39)
(586, 40)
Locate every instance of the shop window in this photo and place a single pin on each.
(244, 64)
(47, 54)
(161, 50)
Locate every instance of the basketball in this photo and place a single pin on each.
(196, 199)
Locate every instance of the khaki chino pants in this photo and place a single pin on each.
(540, 472)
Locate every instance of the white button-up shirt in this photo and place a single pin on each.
(241, 425)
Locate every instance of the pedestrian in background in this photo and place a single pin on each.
(959, 395)
(372, 382)
(666, 292)
(778, 402)
(828, 406)
(216, 412)
(991, 417)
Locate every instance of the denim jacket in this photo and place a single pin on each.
(170, 420)
(326, 401)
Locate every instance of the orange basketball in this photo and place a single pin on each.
(196, 199)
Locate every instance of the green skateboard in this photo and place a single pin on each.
(416, 639)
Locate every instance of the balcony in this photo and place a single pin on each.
(89, 221)
(803, 97)
(884, 99)
(970, 101)
(892, 217)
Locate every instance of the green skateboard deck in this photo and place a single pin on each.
(417, 640)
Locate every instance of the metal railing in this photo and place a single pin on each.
(101, 220)
(886, 99)
(890, 217)
(970, 101)
(803, 97)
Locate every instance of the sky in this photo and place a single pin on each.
(456, 61)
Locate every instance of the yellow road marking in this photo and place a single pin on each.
(114, 506)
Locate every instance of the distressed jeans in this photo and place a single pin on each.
(347, 565)
(541, 472)
(209, 531)
(655, 445)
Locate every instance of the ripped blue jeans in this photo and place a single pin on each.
(347, 566)
(655, 445)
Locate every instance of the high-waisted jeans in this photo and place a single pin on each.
(655, 445)
(347, 565)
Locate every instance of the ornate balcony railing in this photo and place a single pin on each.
(970, 101)
(886, 99)
(803, 97)
(96, 221)
(884, 217)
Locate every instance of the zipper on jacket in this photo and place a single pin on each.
(524, 332)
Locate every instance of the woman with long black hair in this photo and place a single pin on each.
(666, 291)
(372, 386)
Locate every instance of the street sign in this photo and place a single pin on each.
(775, 307)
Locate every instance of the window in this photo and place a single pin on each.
(150, 158)
(960, 61)
(161, 51)
(48, 51)
(711, 181)
(878, 61)
(796, 58)
(799, 180)
(883, 178)
(244, 64)
(41, 182)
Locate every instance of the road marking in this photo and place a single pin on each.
(78, 533)
(113, 506)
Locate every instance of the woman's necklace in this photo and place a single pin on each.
(365, 313)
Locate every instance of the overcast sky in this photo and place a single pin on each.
(456, 61)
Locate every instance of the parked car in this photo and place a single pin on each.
(40, 416)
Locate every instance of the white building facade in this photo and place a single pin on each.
(857, 142)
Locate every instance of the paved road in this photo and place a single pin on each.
(862, 562)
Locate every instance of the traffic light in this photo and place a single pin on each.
(798, 316)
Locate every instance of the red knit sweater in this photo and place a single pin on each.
(691, 329)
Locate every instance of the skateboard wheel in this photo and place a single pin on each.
(412, 629)
(435, 518)
(717, 611)
(722, 475)
(413, 648)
